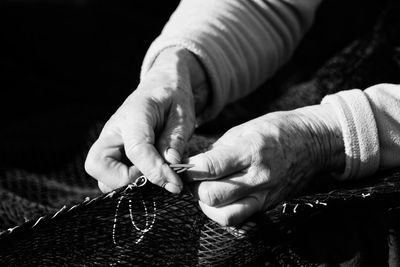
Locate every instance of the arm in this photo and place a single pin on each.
(352, 133)
(370, 122)
(240, 43)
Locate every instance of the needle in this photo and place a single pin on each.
(178, 168)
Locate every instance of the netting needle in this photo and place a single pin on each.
(178, 168)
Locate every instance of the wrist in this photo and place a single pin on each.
(326, 137)
(177, 57)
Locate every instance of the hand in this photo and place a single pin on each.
(151, 127)
(267, 160)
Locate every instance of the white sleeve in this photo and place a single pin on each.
(240, 42)
(370, 123)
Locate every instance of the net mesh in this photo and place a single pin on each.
(148, 226)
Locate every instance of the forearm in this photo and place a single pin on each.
(239, 43)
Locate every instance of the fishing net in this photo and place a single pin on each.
(144, 225)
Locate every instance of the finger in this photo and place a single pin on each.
(135, 173)
(138, 137)
(218, 162)
(230, 188)
(234, 213)
(104, 188)
(103, 161)
(225, 190)
(176, 133)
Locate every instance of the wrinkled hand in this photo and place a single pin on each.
(262, 162)
(151, 127)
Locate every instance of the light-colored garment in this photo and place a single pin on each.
(241, 43)
(370, 121)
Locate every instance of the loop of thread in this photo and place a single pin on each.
(140, 181)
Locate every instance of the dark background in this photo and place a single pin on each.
(65, 65)
(68, 61)
(73, 53)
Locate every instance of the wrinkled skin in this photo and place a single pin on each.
(151, 127)
(265, 161)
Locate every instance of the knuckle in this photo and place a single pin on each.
(213, 166)
(231, 131)
(133, 148)
(94, 161)
(155, 175)
(91, 166)
(234, 132)
(103, 188)
(207, 196)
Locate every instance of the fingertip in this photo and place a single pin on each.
(234, 213)
(173, 188)
(148, 160)
(200, 170)
(171, 155)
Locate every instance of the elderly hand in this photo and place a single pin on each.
(262, 162)
(151, 127)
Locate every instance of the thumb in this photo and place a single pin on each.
(177, 131)
(138, 137)
(234, 213)
(220, 161)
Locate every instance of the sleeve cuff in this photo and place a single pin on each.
(360, 133)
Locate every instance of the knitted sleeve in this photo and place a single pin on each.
(240, 42)
(370, 123)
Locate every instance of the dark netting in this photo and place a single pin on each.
(147, 225)
(358, 224)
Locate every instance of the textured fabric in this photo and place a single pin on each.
(385, 102)
(240, 43)
(371, 128)
(359, 132)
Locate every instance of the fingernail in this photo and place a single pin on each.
(175, 189)
(172, 156)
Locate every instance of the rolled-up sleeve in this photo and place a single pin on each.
(370, 122)
(239, 42)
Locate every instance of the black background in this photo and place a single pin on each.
(68, 59)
